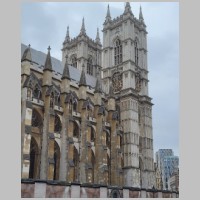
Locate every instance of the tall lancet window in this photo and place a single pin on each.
(136, 52)
(118, 52)
(89, 66)
(74, 61)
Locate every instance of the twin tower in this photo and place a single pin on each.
(121, 62)
(96, 128)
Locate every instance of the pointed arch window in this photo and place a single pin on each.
(76, 131)
(29, 91)
(57, 100)
(136, 52)
(76, 165)
(118, 52)
(74, 61)
(75, 105)
(93, 164)
(92, 138)
(37, 93)
(109, 168)
(36, 119)
(52, 101)
(57, 124)
(89, 66)
(70, 106)
(56, 161)
(107, 140)
(34, 159)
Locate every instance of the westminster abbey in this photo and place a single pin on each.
(86, 121)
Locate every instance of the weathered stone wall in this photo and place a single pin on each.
(43, 189)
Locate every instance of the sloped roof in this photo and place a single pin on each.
(39, 58)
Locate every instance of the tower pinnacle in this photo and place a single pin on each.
(27, 54)
(97, 37)
(83, 77)
(127, 8)
(98, 87)
(67, 38)
(83, 31)
(48, 65)
(141, 15)
(108, 17)
(66, 70)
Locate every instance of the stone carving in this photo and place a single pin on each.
(117, 81)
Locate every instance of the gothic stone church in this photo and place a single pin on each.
(86, 122)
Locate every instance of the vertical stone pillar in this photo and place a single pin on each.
(103, 192)
(26, 155)
(131, 141)
(146, 146)
(159, 194)
(125, 193)
(64, 144)
(113, 154)
(40, 190)
(45, 142)
(143, 194)
(51, 142)
(99, 170)
(26, 118)
(75, 191)
(83, 147)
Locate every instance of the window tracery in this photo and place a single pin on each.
(118, 52)
(89, 66)
(76, 131)
(57, 124)
(74, 61)
(136, 52)
(36, 119)
(52, 101)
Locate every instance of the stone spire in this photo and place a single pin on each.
(98, 87)
(141, 15)
(66, 70)
(83, 31)
(97, 37)
(127, 8)
(108, 17)
(67, 38)
(48, 65)
(27, 54)
(82, 81)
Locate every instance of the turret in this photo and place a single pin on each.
(82, 84)
(65, 83)
(98, 91)
(67, 38)
(111, 99)
(47, 72)
(127, 8)
(83, 31)
(97, 40)
(108, 17)
(26, 63)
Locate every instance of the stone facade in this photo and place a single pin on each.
(50, 189)
(87, 131)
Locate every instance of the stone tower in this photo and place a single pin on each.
(82, 50)
(124, 66)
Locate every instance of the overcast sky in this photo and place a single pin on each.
(44, 24)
